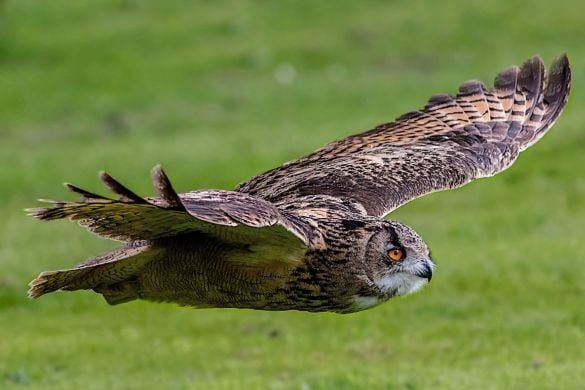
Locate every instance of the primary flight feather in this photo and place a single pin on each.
(309, 235)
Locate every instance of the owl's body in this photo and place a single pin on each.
(310, 235)
(200, 271)
(196, 273)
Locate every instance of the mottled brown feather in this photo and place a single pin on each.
(229, 215)
(448, 143)
(307, 235)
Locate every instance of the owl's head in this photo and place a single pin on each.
(398, 260)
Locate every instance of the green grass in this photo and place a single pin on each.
(124, 85)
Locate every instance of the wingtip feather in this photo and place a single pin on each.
(532, 96)
(47, 213)
(531, 75)
(125, 194)
(557, 89)
(164, 188)
(559, 82)
(84, 194)
(506, 79)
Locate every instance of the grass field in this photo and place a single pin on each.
(220, 91)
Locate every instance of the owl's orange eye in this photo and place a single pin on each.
(396, 254)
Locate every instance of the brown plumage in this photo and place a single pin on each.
(309, 235)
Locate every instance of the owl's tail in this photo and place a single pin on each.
(111, 274)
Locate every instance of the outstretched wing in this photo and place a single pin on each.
(225, 215)
(448, 143)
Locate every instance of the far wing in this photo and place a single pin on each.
(229, 216)
(448, 143)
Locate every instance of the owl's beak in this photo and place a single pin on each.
(426, 272)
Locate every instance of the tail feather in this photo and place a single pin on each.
(99, 272)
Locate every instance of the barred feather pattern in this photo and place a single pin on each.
(451, 141)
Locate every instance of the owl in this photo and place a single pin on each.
(310, 235)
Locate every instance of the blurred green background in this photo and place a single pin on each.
(218, 91)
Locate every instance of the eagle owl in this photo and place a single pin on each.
(310, 234)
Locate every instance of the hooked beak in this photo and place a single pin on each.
(426, 272)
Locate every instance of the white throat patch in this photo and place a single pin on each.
(400, 283)
(396, 284)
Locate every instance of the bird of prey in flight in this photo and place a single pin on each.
(310, 234)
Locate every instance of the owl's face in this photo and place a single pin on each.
(398, 260)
